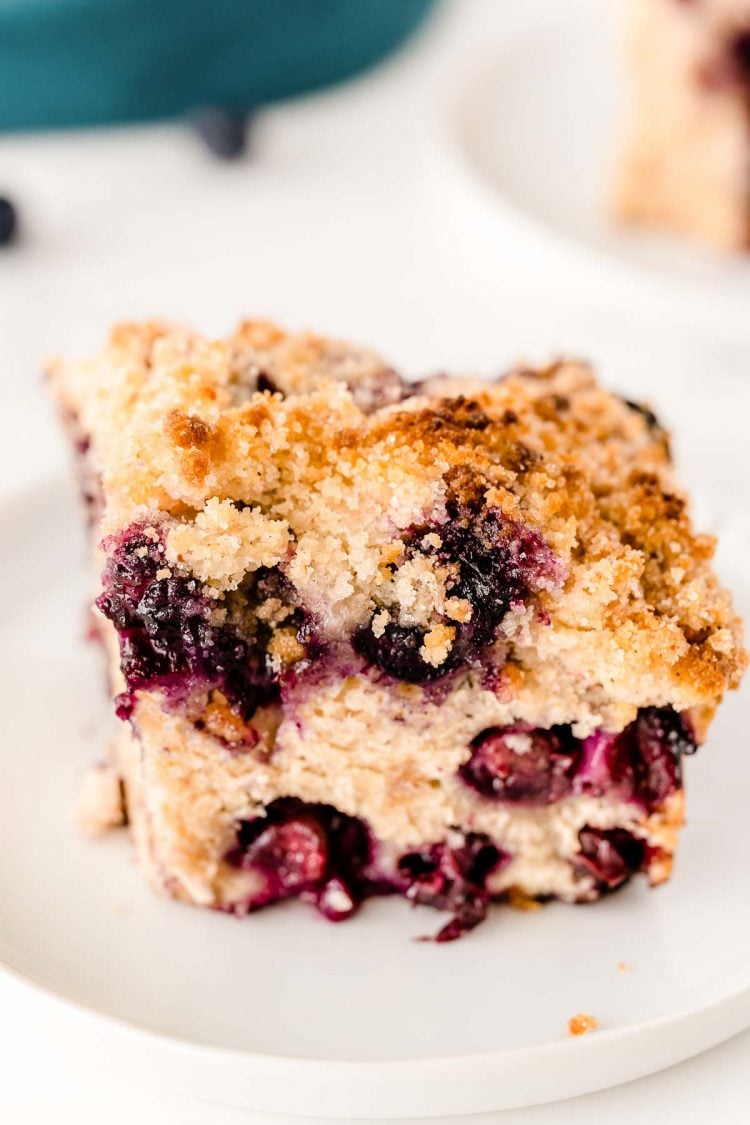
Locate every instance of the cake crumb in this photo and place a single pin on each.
(379, 623)
(458, 609)
(519, 900)
(622, 966)
(100, 805)
(581, 1023)
(437, 644)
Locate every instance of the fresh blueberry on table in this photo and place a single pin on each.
(8, 222)
(223, 130)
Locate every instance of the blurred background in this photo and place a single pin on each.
(428, 177)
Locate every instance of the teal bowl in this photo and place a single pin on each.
(90, 62)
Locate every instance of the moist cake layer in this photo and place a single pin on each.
(449, 639)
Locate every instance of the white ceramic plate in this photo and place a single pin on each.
(285, 1012)
(532, 128)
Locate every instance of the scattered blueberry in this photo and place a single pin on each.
(513, 764)
(497, 564)
(293, 855)
(224, 130)
(167, 637)
(320, 855)
(327, 858)
(640, 764)
(606, 764)
(662, 738)
(611, 856)
(500, 563)
(8, 222)
(397, 652)
(307, 850)
(453, 878)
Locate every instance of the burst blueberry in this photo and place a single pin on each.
(8, 222)
(611, 856)
(306, 850)
(494, 563)
(168, 639)
(641, 764)
(453, 877)
(522, 765)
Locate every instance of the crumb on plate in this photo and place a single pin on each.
(581, 1023)
(519, 900)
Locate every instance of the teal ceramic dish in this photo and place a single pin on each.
(88, 62)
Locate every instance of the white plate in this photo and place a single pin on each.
(285, 1012)
(532, 129)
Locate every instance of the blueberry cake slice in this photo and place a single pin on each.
(450, 640)
(687, 164)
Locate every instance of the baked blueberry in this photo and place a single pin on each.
(454, 645)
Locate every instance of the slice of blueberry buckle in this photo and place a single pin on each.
(450, 640)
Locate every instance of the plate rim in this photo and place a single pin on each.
(610, 1034)
(398, 1088)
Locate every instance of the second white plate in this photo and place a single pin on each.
(532, 127)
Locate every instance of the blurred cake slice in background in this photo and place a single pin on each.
(687, 159)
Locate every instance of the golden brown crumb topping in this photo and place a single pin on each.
(268, 448)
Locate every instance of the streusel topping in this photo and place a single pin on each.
(271, 449)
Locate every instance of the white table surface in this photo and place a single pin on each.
(346, 219)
